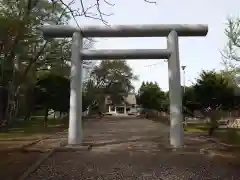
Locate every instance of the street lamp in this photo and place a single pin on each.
(184, 120)
(184, 83)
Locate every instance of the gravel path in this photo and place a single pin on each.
(133, 149)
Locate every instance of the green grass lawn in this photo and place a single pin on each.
(13, 164)
(196, 128)
(163, 120)
(32, 127)
(227, 135)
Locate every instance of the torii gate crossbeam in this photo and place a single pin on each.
(172, 32)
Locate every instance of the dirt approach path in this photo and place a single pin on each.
(135, 149)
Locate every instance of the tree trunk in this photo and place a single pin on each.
(13, 95)
(102, 104)
(214, 117)
(29, 103)
(3, 104)
(27, 116)
(46, 117)
(211, 131)
(12, 110)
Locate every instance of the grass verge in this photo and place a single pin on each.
(196, 128)
(33, 127)
(229, 136)
(163, 120)
(14, 163)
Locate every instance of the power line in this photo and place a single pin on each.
(155, 63)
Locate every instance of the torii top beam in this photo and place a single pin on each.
(58, 31)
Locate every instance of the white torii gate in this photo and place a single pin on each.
(172, 32)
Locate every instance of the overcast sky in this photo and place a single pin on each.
(197, 53)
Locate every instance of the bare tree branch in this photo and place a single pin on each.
(233, 31)
(153, 2)
(231, 52)
(232, 48)
(34, 59)
(94, 11)
(108, 3)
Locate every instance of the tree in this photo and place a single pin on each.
(212, 89)
(22, 46)
(189, 95)
(230, 54)
(52, 92)
(110, 77)
(90, 94)
(91, 9)
(189, 101)
(151, 96)
(24, 55)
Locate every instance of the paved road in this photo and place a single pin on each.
(133, 149)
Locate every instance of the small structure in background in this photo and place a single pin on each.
(126, 107)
